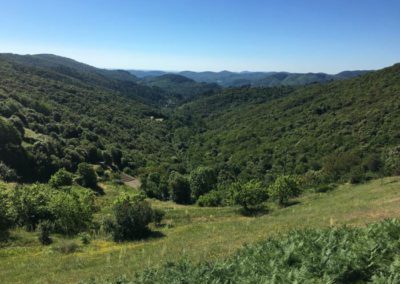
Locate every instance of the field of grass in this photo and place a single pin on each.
(192, 232)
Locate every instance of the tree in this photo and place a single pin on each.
(61, 178)
(6, 219)
(202, 180)
(116, 155)
(6, 173)
(285, 187)
(249, 194)
(72, 210)
(180, 188)
(132, 214)
(30, 204)
(392, 161)
(210, 199)
(87, 175)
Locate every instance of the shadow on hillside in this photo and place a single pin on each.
(155, 235)
(291, 203)
(254, 211)
(98, 190)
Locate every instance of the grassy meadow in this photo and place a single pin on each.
(189, 232)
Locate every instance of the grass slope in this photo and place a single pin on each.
(196, 233)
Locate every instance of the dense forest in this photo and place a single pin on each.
(50, 120)
(57, 113)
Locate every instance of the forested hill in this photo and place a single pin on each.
(49, 120)
(55, 113)
(337, 130)
(179, 86)
(114, 80)
(263, 79)
(68, 66)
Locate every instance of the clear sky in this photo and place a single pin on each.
(237, 35)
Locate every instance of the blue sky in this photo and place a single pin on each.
(270, 35)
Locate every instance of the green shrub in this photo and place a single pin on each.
(132, 214)
(100, 171)
(249, 194)
(392, 161)
(72, 211)
(373, 162)
(179, 188)
(30, 204)
(285, 187)
(87, 175)
(6, 217)
(61, 178)
(312, 179)
(66, 247)
(357, 175)
(338, 165)
(210, 199)
(158, 215)
(202, 180)
(85, 238)
(44, 231)
(6, 173)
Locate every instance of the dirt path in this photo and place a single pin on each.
(130, 181)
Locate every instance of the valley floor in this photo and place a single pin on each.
(195, 233)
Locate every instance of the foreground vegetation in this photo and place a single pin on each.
(198, 234)
(335, 255)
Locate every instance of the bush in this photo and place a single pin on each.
(67, 247)
(373, 162)
(72, 211)
(285, 187)
(392, 161)
(45, 229)
(179, 188)
(158, 215)
(85, 238)
(132, 214)
(357, 175)
(61, 178)
(202, 180)
(87, 175)
(6, 218)
(6, 173)
(249, 194)
(30, 204)
(312, 179)
(100, 171)
(210, 199)
(338, 165)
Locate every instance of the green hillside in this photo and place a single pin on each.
(261, 79)
(114, 80)
(193, 234)
(52, 120)
(179, 86)
(346, 128)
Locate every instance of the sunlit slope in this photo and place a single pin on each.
(199, 234)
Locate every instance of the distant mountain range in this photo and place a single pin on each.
(266, 79)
